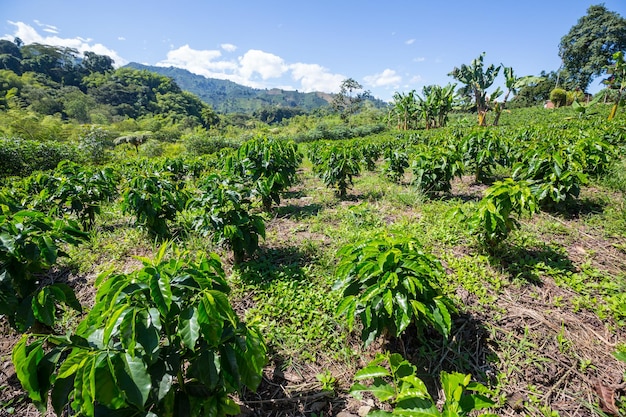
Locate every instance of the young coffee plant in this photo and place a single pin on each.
(434, 169)
(394, 382)
(492, 220)
(30, 244)
(554, 172)
(337, 168)
(80, 191)
(390, 283)
(482, 150)
(154, 199)
(270, 165)
(370, 152)
(226, 210)
(160, 341)
(396, 162)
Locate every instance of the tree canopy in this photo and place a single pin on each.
(587, 50)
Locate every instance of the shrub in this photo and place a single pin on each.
(160, 341)
(23, 157)
(559, 97)
(202, 145)
(30, 244)
(397, 384)
(390, 283)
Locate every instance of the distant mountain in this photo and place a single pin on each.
(229, 97)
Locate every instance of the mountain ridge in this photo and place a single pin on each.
(229, 97)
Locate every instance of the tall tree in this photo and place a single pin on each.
(587, 50)
(477, 80)
(349, 99)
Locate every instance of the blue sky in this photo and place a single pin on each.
(308, 46)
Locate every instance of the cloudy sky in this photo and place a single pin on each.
(396, 45)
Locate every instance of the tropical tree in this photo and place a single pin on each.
(587, 49)
(349, 99)
(513, 84)
(617, 81)
(404, 107)
(477, 80)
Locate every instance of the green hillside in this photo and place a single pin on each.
(229, 97)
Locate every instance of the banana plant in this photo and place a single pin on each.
(513, 84)
(617, 81)
(477, 80)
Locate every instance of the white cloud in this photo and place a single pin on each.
(228, 47)
(121, 38)
(409, 42)
(265, 64)
(419, 59)
(314, 77)
(29, 35)
(194, 60)
(386, 78)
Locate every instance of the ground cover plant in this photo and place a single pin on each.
(528, 327)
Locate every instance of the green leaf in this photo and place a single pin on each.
(382, 390)
(136, 382)
(189, 327)
(371, 372)
(26, 358)
(161, 292)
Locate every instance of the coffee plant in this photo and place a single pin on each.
(394, 382)
(434, 169)
(30, 244)
(160, 341)
(154, 199)
(492, 220)
(390, 283)
(225, 209)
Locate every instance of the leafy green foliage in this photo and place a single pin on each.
(492, 220)
(396, 161)
(587, 49)
(154, 199)
(23, 157)
(390, 283)
(433, 169)
(337, 166)
(79, 191)
(163, 340)
(30, 244)
(482, 150)
(225, 208)
(394, 382)
(269, 164)
(554, 171)
(558, 96)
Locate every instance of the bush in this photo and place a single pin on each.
(559, 97)
(206, 145)
(23, 157)
(162, 340)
